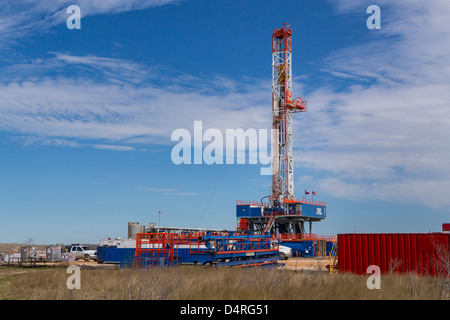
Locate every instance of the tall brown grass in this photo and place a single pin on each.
(197, 283)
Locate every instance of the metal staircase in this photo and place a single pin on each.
(270, 223)
(334, 257)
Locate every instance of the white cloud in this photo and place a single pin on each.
(413, 45)
(119, 108)
(386, 138)
(113, 147)
(21, 18)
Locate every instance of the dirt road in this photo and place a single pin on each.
(306, 264)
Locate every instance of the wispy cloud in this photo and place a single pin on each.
(413, 42)
(120, 109)
(78, 69)
(113, 147)
(22, 18)
(385, 137)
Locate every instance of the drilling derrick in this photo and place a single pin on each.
(284, 215)
(282, 107)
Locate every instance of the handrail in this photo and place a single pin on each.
(310, 201)
(251, 202)
(264, 204)
(167, 244)
(304, 236)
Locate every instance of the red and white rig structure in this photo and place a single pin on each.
(283, 106)
(284, 214)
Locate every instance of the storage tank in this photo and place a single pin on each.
(133, 229)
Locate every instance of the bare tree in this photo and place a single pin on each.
(394, 264)
(442, 267)
(415, 285)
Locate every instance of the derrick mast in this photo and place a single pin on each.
(282, 108)
(284, 215)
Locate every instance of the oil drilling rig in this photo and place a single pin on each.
(283, 214)
(262, 226)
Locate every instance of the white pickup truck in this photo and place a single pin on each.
(285, 252)
(83, 252)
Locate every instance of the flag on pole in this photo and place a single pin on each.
(313, 193)
(306, 192)
(159, 219)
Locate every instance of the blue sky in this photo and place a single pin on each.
(86, 115)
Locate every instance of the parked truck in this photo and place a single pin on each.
(285, 252)
(83, 252)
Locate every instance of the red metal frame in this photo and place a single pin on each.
(159, 244)
(242, 224)
(296, 200)
(167, 244)
(306, 201)
(282, 39)
(303, 236)
(237, 245)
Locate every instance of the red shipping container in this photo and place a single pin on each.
(393, 252)
(446, 227)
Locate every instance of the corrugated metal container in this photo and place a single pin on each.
(245, 211)
(446, 227)
(53, 253)
(68, 257)
(314, 211)
(114, 254)
(27, 252)
(392, 252)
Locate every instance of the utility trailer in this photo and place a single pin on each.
(227, 248)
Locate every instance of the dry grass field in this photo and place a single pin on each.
(199, 283)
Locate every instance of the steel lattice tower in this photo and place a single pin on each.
(284, 216)
(282, 107)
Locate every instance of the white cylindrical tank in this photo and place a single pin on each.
(133, 229)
